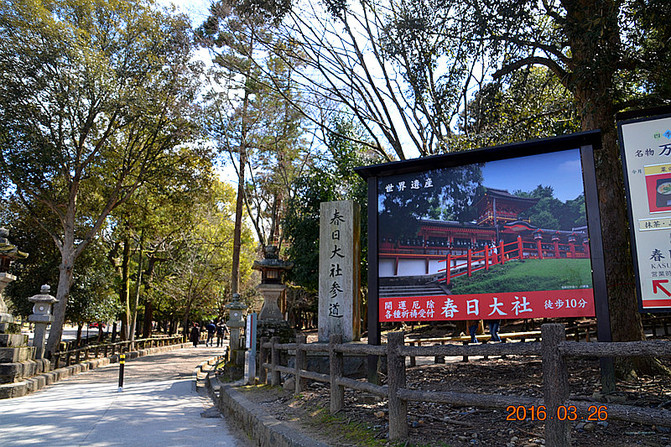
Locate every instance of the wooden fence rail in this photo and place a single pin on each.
(557, 409)
(73, 356)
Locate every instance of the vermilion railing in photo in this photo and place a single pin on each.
(475, 260)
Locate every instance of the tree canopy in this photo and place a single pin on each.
(94, 98)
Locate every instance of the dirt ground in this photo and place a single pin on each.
(364, 420)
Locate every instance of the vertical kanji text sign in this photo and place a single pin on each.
(339, 270)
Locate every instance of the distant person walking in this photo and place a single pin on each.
(211, 329)
(221, 334)
(472, 330)
(494, 326)
(194, 336)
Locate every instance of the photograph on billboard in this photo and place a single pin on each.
(501, 239)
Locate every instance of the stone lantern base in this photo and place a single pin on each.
(7, 325)
(275, 328)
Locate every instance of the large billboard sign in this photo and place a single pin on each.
(645, 144)
(499, 233)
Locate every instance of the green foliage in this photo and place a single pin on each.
(95, 97)
(249, 108)
(192, 283)
(530, 275)
(532, 104)
(92, 296)
(551, 213)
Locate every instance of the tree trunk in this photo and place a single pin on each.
(138, 283)
(595, 46)
(237, 231)
(78, 341)
(148, 305)
(148, 318)
(65, 270)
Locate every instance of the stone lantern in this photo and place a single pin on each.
(236, 319)
(8, 253)
(272, 270)
(271, 321)
(42, 317)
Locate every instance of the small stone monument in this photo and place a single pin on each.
(42, 317)
(339, 271)
(271, 322)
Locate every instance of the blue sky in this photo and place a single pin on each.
(561, 170)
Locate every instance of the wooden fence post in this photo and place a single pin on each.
(465, 357)
(337, 368)
(301, 363)
(413, 362)
(398, 409)
(439, 359)
(275, 378)
(263, 358)
(555, 386)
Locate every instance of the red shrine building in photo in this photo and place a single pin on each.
(497, 236)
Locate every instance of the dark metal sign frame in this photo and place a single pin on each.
(586, 142)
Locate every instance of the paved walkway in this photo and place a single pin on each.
(159, 406)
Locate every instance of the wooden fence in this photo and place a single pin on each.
(555, 408)
(73, 356)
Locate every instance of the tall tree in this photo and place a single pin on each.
(531, 104)
(329, 177)
(358, 63)
(94, 95)
(200, 259)
(154, 216)
(250, 121)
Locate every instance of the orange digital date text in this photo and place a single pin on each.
(563, 413)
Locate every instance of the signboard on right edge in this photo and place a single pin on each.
(645, 144)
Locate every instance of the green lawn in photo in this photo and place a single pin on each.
(530, 275)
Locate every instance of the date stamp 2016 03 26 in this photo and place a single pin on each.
(563, 413)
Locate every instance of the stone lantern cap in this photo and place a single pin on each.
(43, 302)
(236, 304)
(235, 314)
(271, 266)
(271, 260)
(8, 251)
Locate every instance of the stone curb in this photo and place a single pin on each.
(18, 389)
(265, 430)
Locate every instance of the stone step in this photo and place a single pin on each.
(423, 290)
(17, 371)
(13, 340)
(9, 355)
